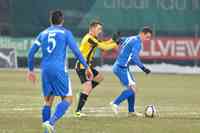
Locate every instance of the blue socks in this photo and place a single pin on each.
(46, 113)
(59, 112)
(123, 96)
(131, 103)
(130, 96)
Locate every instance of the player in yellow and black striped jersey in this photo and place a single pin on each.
(88, 46)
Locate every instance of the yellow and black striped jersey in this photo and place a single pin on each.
(88, 47)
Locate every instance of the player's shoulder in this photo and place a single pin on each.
(43, 32)
(128, 40)
(84, 39)
(87, 36)
(58, 29)
(67, 31)
(134, 39)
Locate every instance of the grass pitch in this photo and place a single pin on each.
(176, 97)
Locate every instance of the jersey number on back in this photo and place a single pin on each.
(51, 42)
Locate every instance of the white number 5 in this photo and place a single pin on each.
(51, 42)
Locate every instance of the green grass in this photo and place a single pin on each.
(176, 96)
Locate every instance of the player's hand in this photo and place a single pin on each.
(89, 73)
(146, 70)
(31, 76)
(116, 37)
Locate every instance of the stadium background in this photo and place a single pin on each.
(175, 24)
(176, 27)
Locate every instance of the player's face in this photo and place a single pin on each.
(98, 30)
(146, 37)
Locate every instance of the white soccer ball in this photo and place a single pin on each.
(150, 111)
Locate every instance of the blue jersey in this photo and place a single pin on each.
(54, 42)
(129, 53)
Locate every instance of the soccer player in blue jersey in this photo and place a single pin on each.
(55, 80)
(129, 54)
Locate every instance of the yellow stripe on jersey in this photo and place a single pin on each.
(88, 47)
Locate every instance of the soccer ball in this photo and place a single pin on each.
(150, 111)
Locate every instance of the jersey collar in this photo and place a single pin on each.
(60, 25)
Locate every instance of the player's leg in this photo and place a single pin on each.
(87, 87)
(48, 99)
(132, 86)
(46, 110)
(62, 87)
(125, 78)
(61, 108)
(98, 77)
(131, 103)
(125, 94)
(131, 99)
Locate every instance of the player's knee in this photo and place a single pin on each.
(133, 88)
(69, 99)
(47, 103)
(48, 100)
(99, 78)
(87, 85)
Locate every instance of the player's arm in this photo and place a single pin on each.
(106, 45)
(33, 50)
(135, 58)
(73, 46)
(118, 38)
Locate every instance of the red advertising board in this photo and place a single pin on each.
(168, 48)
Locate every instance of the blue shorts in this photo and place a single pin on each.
(56, 83)
(124, 75)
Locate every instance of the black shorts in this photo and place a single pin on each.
(82, 76)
